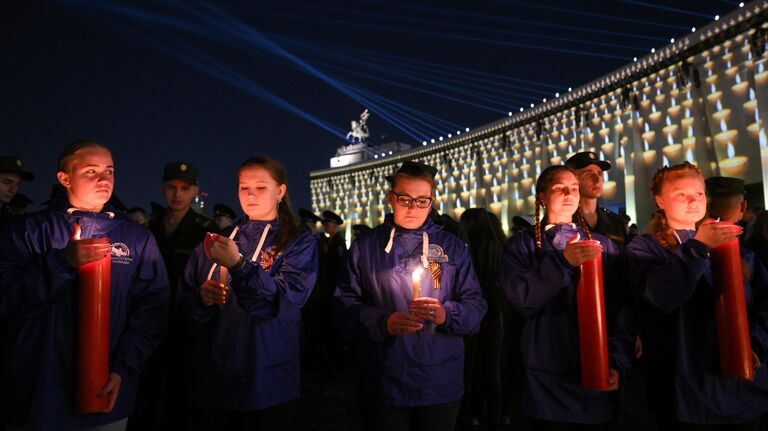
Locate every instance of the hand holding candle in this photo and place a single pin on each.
(79, 252)
(220, 249)
(714, 233)
(428, 309)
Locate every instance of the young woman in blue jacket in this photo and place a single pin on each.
(38, 296)
(410, 347)
(539, 276)
(670, 271)
(244, 329)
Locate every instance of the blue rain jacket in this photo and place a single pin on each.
(677, 310)
(245, 354)
(541, 286)
(38, 296)
(425, 367)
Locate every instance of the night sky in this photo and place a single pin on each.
(192, 81)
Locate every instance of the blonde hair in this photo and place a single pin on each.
(658, 226)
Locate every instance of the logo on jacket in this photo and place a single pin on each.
(268, 258)
(436, 254)
(121, 253)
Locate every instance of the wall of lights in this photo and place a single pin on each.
(703, 99)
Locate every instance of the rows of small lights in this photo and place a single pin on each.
(637, 66)
(674, 47)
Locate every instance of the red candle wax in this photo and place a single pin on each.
(593, 333)
(731, 312)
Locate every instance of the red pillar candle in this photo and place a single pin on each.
(731, 312)
(593, 333)
(93, 334)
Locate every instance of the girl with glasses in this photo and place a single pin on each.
(409, 295)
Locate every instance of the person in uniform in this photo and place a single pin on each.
(589, 169)
(11, 174)
(39, 262)
(670, 269)
(178, 230)
(409, 295)
(725, 199)
(224, 217)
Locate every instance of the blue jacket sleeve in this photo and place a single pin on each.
(148, 314)
(466, 308)
(259, 292)
(666, 279)
(529, 282)
(758, 310)
(31, 276)
(360, 320)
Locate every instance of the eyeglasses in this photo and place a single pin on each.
(407, 201)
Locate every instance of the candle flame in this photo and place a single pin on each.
(689, 156)
(723, 126)
(670, 141)
(416, 276)
(731, 152)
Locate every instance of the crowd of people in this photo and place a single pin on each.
(446, 324)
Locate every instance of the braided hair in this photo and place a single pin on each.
(545, 180)
(658, 226)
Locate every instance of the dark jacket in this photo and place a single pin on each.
(677, 306)
(541, 286)
(245, 354)
(425, 367)
(38, 296)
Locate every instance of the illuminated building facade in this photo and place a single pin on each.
(702, 98)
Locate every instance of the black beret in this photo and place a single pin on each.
(13, 165)
(181, 171)
(308, 216)
(332, 217)
(724, 186)
(221, 210)
(585, 158)
(414, 169)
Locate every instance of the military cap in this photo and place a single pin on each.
(308, 216)
(331, 216)
(585, 158)
(181, 171)
(13, 165)
(724, 186)
(221, 210)
(413, 169)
